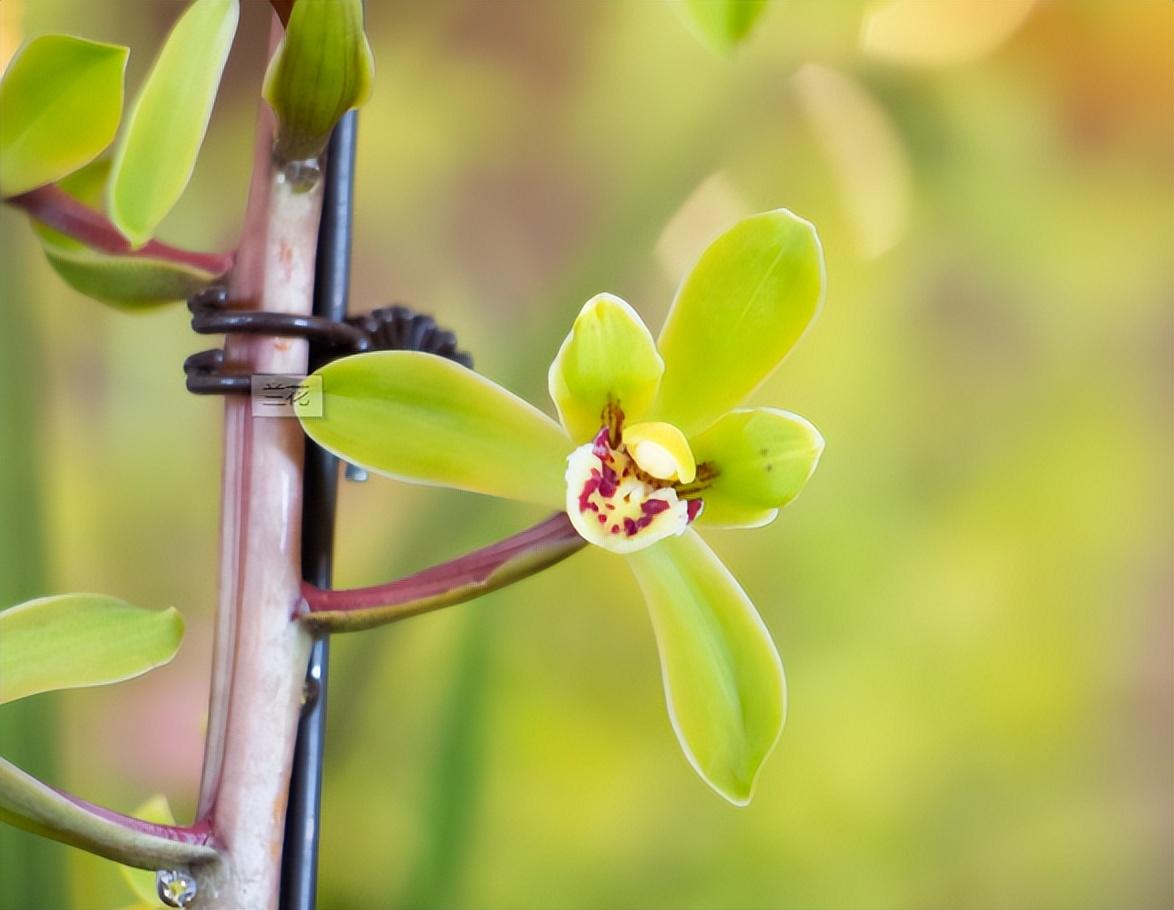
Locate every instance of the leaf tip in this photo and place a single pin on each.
(721, 25)
(175, 622)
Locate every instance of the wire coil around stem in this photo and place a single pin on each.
(390, 328)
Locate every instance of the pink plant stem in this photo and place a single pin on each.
(260, 656)
(55, 208)
(199, 834)
(32, 804)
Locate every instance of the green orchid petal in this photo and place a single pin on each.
(609, 355)
(722, 676)
(763, 457)
(421, 418)
(738, 312)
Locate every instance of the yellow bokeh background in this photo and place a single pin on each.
(972, 597)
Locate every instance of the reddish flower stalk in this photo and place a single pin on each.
(452, 582)
(199, 834)
(122, 838)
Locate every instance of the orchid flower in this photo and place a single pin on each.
(652, 446)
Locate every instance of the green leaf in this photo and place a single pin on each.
(763, 457)
(155, 159)
(738, 312)
(60, 103)
(722, 676)
(125, 282)
(321, 70)
(721, 25)
(608, 355)
(142, 881)
(422, 418)
(74, 640)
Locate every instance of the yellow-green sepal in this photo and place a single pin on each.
(60, 104)
(723, 679)
(322, 69)
(609, 355)
(165, 129)
(736, 315)
(424, 419)
(763, 457)
(75, 640)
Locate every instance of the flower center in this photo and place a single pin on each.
(622, 487)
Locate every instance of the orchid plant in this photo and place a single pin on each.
(651, 443)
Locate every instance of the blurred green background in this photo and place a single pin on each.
(972, 598)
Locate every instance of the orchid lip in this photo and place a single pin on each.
(614, 501)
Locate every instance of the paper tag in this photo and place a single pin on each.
(286, 395)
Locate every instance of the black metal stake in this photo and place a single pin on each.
(299, 859)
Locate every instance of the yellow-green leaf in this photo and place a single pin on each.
(608, 355)
(721, 24)
(723, 679)
(763, 458)
(321, 70)
(126, 282)
(750, 296)
(424, 419)
(74, 640)
(60, 103)
(157, 154)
